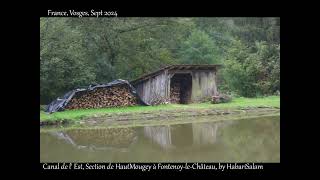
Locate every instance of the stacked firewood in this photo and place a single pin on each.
(103, 97)
(175, 93)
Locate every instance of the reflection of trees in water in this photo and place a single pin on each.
(172, 136)
(253, 140)
(98, 138)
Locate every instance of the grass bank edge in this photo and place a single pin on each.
(236, 103)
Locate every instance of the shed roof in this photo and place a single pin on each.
(178, 67)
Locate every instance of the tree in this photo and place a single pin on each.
(81, 51)
(199, 48)
(63, 62)
(252, 71)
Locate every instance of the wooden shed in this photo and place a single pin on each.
(178, 84)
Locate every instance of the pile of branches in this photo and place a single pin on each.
(221, 98)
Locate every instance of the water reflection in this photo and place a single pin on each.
(160, 135)
(167, 136)
(240, 140)
(98, 139)
(173, 136)
(205, 133)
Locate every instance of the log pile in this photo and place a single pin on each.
(175, 93)
(115, 96)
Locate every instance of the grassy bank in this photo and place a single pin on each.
(236, 103)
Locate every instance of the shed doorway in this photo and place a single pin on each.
(180, 88)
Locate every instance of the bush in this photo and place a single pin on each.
(42, 107)
(251, 72)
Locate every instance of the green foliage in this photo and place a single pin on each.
(63, 61)
(254, 72)
(199, 48)
(42, 107)
(80, 51)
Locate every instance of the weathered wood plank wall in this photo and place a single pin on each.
(154, 89)
(203, 85)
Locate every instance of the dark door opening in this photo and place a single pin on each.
(180, 88)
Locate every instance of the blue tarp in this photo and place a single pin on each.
(61, 102)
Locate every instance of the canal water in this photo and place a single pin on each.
(246, 140)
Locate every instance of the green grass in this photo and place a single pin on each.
(273, 101)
